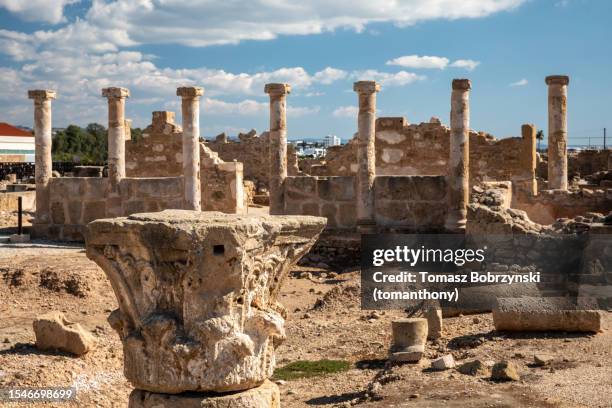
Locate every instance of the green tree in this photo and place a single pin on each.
(540, 137)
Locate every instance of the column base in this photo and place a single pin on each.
(264, 396)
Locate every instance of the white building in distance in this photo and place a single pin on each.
(16, 145)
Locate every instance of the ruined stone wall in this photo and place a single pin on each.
(159, 154)
(410, 203)
(8, 200)
(331, 197)
(253, 151)
(549, 205)
(588, 162)
(76, 201)
(423, 149)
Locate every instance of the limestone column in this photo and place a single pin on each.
(42, 155)
(366, 154)
(528, 160)
(278, 144)
(557, 131)
(191, 146)
(459, 159)
(116, 133)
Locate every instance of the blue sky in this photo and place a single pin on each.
(233, 47)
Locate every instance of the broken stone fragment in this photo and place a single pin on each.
(505, 371)
(547, 314)
(443, 363)
(541, 360)
(409, 337)
(434, 322)
(54, 332)
(197, 294)
(474, 368)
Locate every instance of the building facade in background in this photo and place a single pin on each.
(16, 145)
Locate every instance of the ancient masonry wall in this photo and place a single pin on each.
(550, 205)
(423, 149)
(253, 151)
(76, 201)
(159, 154)
(407, 203)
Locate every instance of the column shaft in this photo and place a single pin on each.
(459, 159)
(366, 154)
(278, 145)
(116, 134)
(528, 160)
(191, 146)
(557, 131)
(42, 155)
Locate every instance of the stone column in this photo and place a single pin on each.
(116, 133)
(42, 139)
(191, 146)
(366, 154)
(528, 182)
(227, 274)
(459, 159)
(278, 144)
(557, 131)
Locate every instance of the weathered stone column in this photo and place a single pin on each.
(278, 144)
(116, 133)
(191, 145)
(459, 159)
(366, 154)
(42, 156)
(557, 131)
(528, 183)
(226, 320)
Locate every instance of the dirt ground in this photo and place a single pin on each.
(325, 321)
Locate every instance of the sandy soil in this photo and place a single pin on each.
(41, 277)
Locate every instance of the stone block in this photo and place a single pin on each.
(546, 314)
(94, 210)
(54, 332)
(19, 238)
(409, 337)
(263, 396)
(57, 213)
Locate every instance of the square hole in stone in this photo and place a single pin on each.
(218, 249)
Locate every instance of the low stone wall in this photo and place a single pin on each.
(411, 203)
(331, 197)
(550, 205)
(8, 200)
(423, 149)
(253, 151)
(160, 154)
(403, 203)
(76, 201)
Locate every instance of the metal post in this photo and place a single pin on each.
(19, 217)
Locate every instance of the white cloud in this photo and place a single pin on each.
(467, 64)
(245, 107)
(400, 78)
(329, 75)
(346, 112)
(520, 82)
(48, 11)
(415, 61)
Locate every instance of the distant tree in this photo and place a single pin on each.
(86, 146)
(540, 137)
(136, 135)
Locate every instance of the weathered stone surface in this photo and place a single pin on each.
(409, 337)
(443, 363)
(264, 396)
(541, 360)
(54, 332)
(474, 368)
(546, 314)
(434, 322)
(197, 294)
(505, 371)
